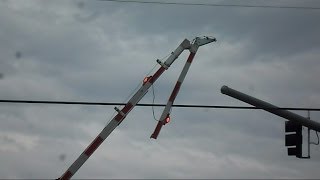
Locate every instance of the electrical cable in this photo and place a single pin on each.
(153, 98)
(214, 5)
(153, 93)
(317, 143)
(156, 105)
(138, 85)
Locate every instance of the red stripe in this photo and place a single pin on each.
(175, 91)
(118, 117)
(127, 108)
(93, 146)
(157, 75)
(157, 130)
(124, 110)
(66, 175)
(190, 58)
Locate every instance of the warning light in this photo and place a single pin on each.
(167, 120)
(146, 79)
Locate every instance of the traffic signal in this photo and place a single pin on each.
(294, 138)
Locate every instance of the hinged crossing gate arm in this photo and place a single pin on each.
(121, 115)
(124, 111)
(165, 116)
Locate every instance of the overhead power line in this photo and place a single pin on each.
(155, 105)
(214, 5)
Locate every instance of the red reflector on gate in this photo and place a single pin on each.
(167, 120)
(146, 79)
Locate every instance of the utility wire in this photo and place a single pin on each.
(156, 105)
(214, 5)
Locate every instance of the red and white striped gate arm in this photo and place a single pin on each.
(165, 116)
(124, 111)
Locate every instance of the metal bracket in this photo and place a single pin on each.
(204, 40)
(118, 110)
(162, 64)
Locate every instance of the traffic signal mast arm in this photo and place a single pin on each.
(296, 118)
(293, 127)
(124, 111)
(165, 116)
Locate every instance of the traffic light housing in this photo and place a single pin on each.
(293, 138)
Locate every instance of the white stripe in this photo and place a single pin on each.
(166, 111)
(108, 129)
(78, 163)
(184, 72)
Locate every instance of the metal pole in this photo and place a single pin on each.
(308, 136)
(270, 108)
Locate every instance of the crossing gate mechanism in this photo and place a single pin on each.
(147, 83)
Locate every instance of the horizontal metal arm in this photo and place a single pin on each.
(271, 108)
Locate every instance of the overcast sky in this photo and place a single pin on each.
(100, 51)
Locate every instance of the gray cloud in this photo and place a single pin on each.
(99, 51)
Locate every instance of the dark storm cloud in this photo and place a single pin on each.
(276, 32)
(81, 50)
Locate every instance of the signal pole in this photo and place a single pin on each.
(271, 108)
(293, 127)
